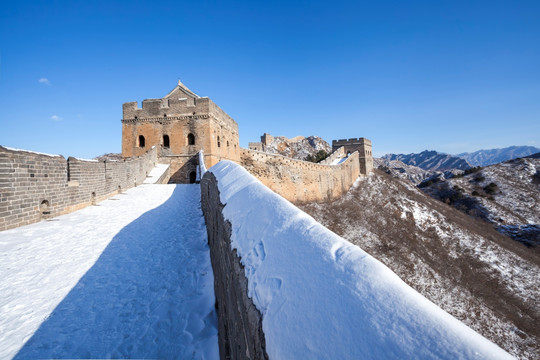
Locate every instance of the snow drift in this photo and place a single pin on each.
(322, 297)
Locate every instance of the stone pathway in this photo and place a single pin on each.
(128, 278)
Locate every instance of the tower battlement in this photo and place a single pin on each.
(166, 107)
(336, 144)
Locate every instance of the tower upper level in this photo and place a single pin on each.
(179, 104)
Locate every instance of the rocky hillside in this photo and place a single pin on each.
(298, 147)
(414, 174)
(494, 156)
(463, 265)
(430, 160)
(506, 194)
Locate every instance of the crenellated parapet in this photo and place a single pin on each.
(166, 108)
(336, 144)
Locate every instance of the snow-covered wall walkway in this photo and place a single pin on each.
(324, 298)
(129, 278)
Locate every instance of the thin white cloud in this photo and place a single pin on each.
(56, 118)
(44, 81)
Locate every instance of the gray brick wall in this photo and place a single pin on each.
(240, 332)
(35, 186)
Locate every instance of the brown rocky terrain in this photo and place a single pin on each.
(462, 264)
(298, 147)
(400, 170)
(506, 195)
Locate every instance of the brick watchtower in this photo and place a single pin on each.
(180, 124)
(363, 146)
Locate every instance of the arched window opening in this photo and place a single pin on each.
(166, 143)
(141, 141)
(44, 207)
(218, 143)
(192, 177)
(191, 139)
(227, 144)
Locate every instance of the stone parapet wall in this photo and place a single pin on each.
(239, 322)
(301, 181)
(337, 154)
(36, 186)
(255, 146)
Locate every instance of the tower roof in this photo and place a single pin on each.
(181, 91)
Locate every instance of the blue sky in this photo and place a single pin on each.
(452, 76)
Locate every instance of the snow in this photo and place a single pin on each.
(90, 160)
(338, 161)
(156, 173)
(322, 297)
(130, 278)
(32, 152)
(202, 165)
(201, 169)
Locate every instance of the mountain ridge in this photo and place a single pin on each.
(431, 160)
(486, 157)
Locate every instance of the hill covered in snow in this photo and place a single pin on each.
(506, 195)
(478, 275)
(414, 174)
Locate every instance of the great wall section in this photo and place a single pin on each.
(170, 131)
(187, 134)
(35, 187)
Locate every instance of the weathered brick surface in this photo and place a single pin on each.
(37, 186)
(180, 116)
(302, 181)
(240, 330)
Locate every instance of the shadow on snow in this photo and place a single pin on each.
(133, 301)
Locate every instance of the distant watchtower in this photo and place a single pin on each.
(180, 124)
(363, 146)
